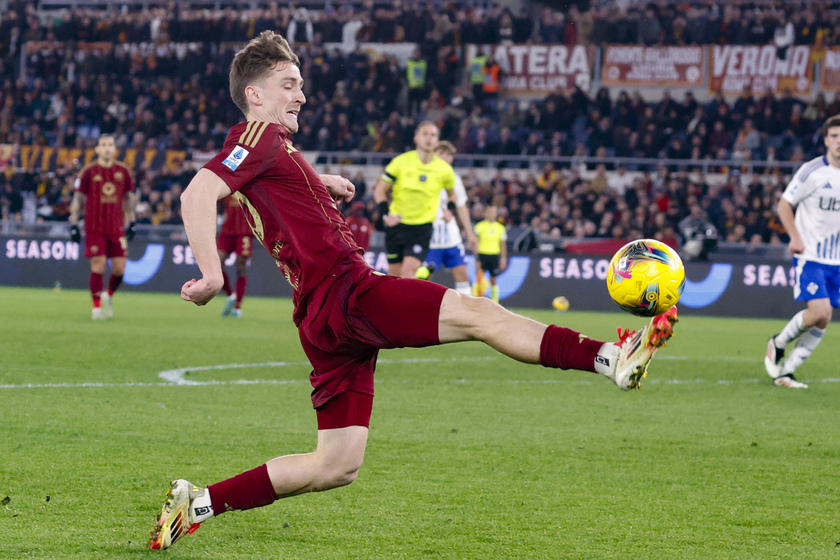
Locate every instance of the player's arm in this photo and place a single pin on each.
(198, 209)
(464, 217)
(380, 196)
(129, 205)
(76, 205)
(787, 217)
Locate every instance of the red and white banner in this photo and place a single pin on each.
(830, 74)
(734, 67)
(540, 68)
(653, 66)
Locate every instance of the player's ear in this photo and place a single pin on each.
(253, 95)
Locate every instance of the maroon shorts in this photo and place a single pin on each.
(97, 245)
(349, 320)
(242, 245)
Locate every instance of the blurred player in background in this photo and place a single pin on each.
(810, 211)
(235, 237)
(446, 248)
(360, 225)
(415, 180)
(105, 188)
(492, 252)
(344, 310)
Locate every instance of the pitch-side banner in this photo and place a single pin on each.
(540, 68)
(734, 67)
(653, 66)
(741, 287)
(830, 74)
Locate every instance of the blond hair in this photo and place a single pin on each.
(254, 61)
(446, 147)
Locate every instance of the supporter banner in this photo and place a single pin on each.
(540, 68)
(47, 158)
(653, 66)
(82, 46)
(7, 155)
(734, 67)
(830, 73)
(743, 287)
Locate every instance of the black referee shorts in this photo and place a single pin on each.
(404, 240)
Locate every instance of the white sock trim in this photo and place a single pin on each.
(607, 358)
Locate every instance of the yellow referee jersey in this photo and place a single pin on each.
(490, 235)
(416, 186)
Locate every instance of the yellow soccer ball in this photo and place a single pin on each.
(560, 303)
(646, 277)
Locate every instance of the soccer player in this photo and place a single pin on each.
(810, 211)
(235, 236)
(344, 310)
(105, 188)
(492, 251)
(446, 247)
(415, 179)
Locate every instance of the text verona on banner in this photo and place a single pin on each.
(653, 66)
(734, 67)
(540, 68)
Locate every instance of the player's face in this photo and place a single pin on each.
(490, 213)
(281, 95)
(446, 156)
(106, 149)
(832, 143)
(426, 138)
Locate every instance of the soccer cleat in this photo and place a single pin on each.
(636, 349)
(773, 358)
(176, 518)
(229, 303)
(97, 314)
(789, 381)
(236, 312)
(107, 305)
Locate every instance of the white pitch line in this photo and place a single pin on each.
(176, 377)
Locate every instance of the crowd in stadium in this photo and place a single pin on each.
(153, 90)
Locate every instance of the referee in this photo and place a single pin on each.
(415, 180)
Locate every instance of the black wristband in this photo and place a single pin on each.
(384, 208)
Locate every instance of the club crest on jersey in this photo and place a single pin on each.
(236, 157)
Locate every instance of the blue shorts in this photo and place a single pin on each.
(450, 258)
(816, 281)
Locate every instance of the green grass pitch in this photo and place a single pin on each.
(471, 455)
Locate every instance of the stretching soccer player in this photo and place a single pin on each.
(344, 310)
(235, 237)
(446, 248)
(415, 180)
(105, 188)
(810, 211)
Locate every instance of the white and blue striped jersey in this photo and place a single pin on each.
(815, 193)
(447, 234)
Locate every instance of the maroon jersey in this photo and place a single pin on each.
(235, 222)
(361, 228)
(105, 188)
(288, 207)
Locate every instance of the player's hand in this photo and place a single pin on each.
(796, 245)
(392, 219)
(339, 187)
(130, 231)
(448, 215)
(472, 243)
(75, 234)
(200, 291)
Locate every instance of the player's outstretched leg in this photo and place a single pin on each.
(636, 349)
(180, 515)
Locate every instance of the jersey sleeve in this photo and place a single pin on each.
(802, 184)
(392, 170)
(129, 179)
(448, 179)
(83, 182)
(461, 197)
(241, 162)
(503, 236)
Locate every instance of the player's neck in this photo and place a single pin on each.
(833, 161)
(425, 156)
(106, 163)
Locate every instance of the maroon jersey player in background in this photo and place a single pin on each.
(235, 237)
(105, 188)
(344, 310)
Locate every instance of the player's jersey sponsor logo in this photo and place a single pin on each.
(236, 157)
(829, 204)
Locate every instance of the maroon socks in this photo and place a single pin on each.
(567, 349)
